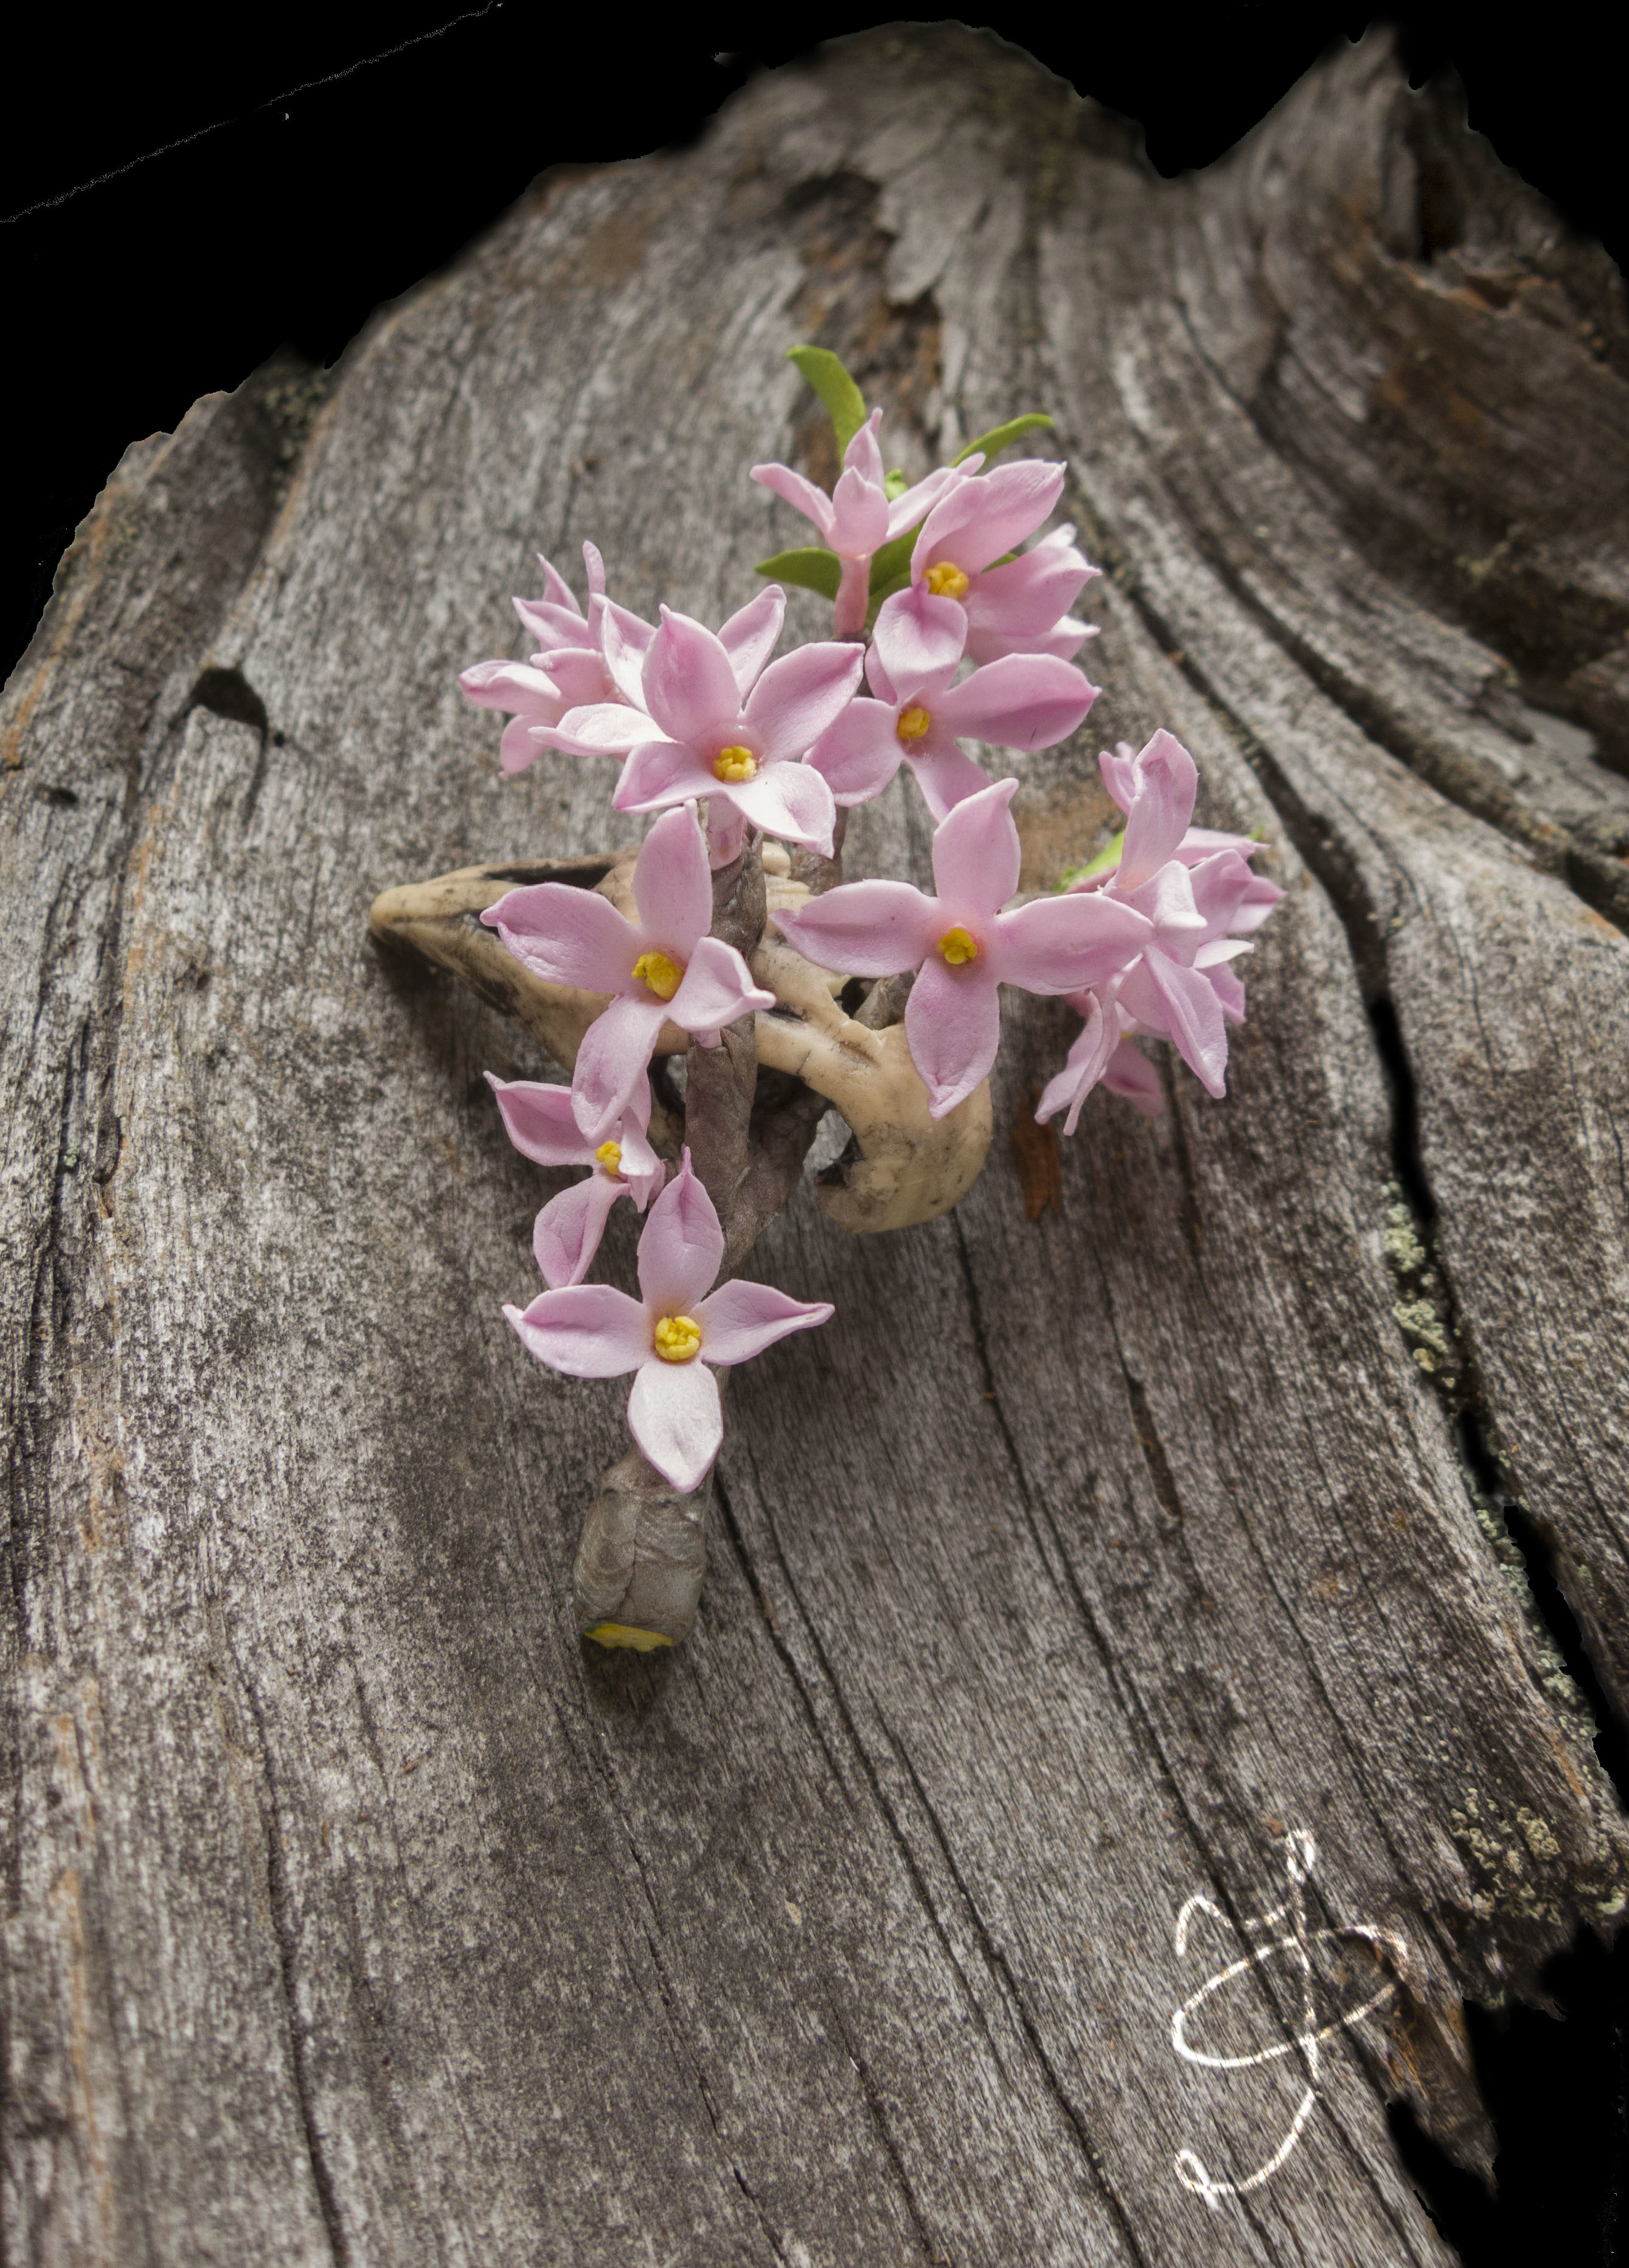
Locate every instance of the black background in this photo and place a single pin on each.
(318, 174)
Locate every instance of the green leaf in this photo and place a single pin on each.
(812, 568)
(890, 567)
(894, 484)
(846, 405)
(1105, 858)
(1002, 436)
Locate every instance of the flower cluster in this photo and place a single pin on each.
(952, 625)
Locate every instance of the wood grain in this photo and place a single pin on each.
(355, 1912)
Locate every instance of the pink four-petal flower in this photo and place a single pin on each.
(963, 946)
(1023, 701)
(857, 519)
(716, 722)
(956, 582)
(567, 670)
(670, 1334)
(662, 969)
(543, 1127)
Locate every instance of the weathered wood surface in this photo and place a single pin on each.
(357, 1913)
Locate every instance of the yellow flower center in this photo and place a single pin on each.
(610, 1154)
(659, 974)
(734, 764)
(912, 723)
(678, 1339)
(958, 946)
(945, 581)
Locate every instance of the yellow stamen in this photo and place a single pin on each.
(734, 764)
(913, 724)
(610, 1154)
(958, 946)
(624, 1634)
(659, 974)
(678, 1338)
(945, 581)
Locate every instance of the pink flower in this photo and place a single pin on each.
(957, 584)
(1201, 903)
(718, 723)
(668, 1335)
(542, 1127)
(963, 946)
(1024, 701)
(568, 669)
(664, 969)
(856, 519)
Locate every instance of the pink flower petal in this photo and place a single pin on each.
(690, 687)
(865, 929)
(557, 591)
(740, 1320)
(860, 516)
(567, 936)
(641, 1169)
(1130, 1075)
(605, 728)
(748, 636)
(680, 1247)
(583, 681)
(514, 686)
(567, 1232)
(611, 1062)
(788, 800)
(802, 495)
(1202, 842)
(627, 642)
(718, 988)
(906, 510)
(1026, 700)
(1119, 773)
(1067, 944)
(980, 520)
(918, 634)
(550, 626)
(860, 754)
(659, 773)
(1193, 1017)
(1167, 900)
(538, 1120)
(1027, 596)
(1085, 1063)
(1158, 815)
(947, 779)
(976, 855)
(1229, 993)
(519, 746)
(864, 453)
(1064, 640)
(674, 1415)
(953, 1028)
(672, 887)
(585, 1330)
(797, 696)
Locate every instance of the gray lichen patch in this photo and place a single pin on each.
(1424, 1313)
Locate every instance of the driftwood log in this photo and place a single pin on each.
(1093, 1561)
